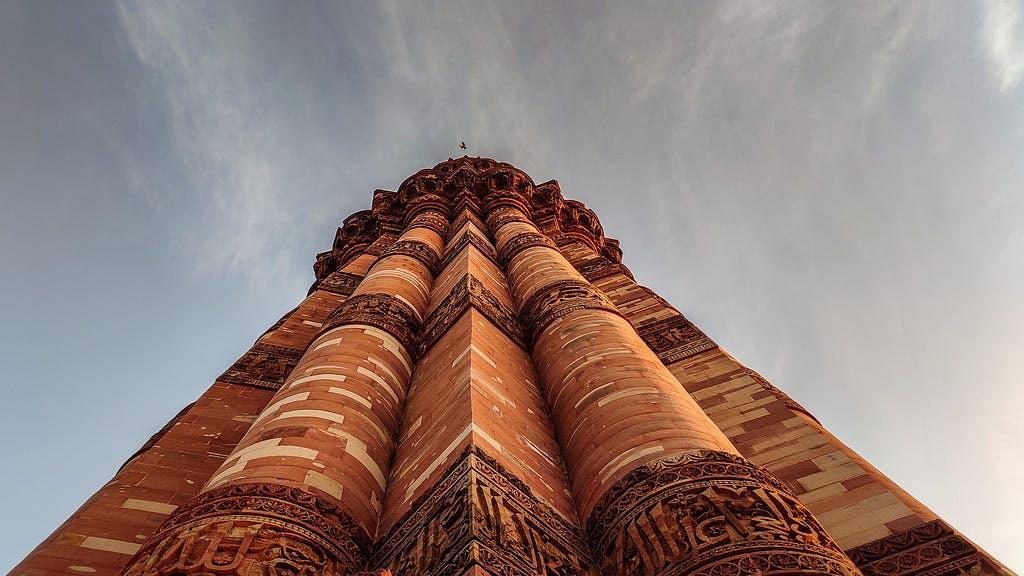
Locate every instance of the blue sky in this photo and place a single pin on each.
(831, 190)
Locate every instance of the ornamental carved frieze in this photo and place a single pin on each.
(255, 529)
(782, 396)
(341, 283)
(479, 513)
(708, 513)
(263, 366)
(467, 292)
(420, 251)
(379, 310)
(674, 338)
(559, 298)
(932, 549)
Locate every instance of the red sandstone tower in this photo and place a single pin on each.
(475, 385)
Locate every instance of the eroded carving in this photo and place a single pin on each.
(708, 513)
(674, 338)
(263, 366)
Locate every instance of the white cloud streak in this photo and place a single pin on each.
(225, 138)
(1003, 30)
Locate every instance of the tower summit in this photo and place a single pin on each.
(476, 385)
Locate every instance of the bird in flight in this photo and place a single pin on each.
(462, 145)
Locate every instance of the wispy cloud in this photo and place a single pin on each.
(224, 137)
(1003, 31)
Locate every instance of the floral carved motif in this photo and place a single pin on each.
(263, 366)
(559, 298)
(254, 530)
(479, 513)
(674, 338)
(708, 513)
(931, 549)
(378, 310)
(467, 292)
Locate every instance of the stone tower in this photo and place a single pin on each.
(475, 385)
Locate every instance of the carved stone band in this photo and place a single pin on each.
(414, 249)
(480, 513)
(522, 242)
(253, 530)
(674, 338)
(558, 299)
(468, 292)
(434, 220)
(482, 245)
(708, 513)
(339, 283)
(501, 214)
(931, 548)
(382, 311)
(263, 366)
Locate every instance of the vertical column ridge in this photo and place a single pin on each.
(661, 489)
(302, 491)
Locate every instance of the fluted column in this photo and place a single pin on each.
(659, 487)
(301, 494)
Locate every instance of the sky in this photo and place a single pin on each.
(833, 191)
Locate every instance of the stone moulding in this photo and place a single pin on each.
(263, 366)
(480, 514)
(708, 513)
